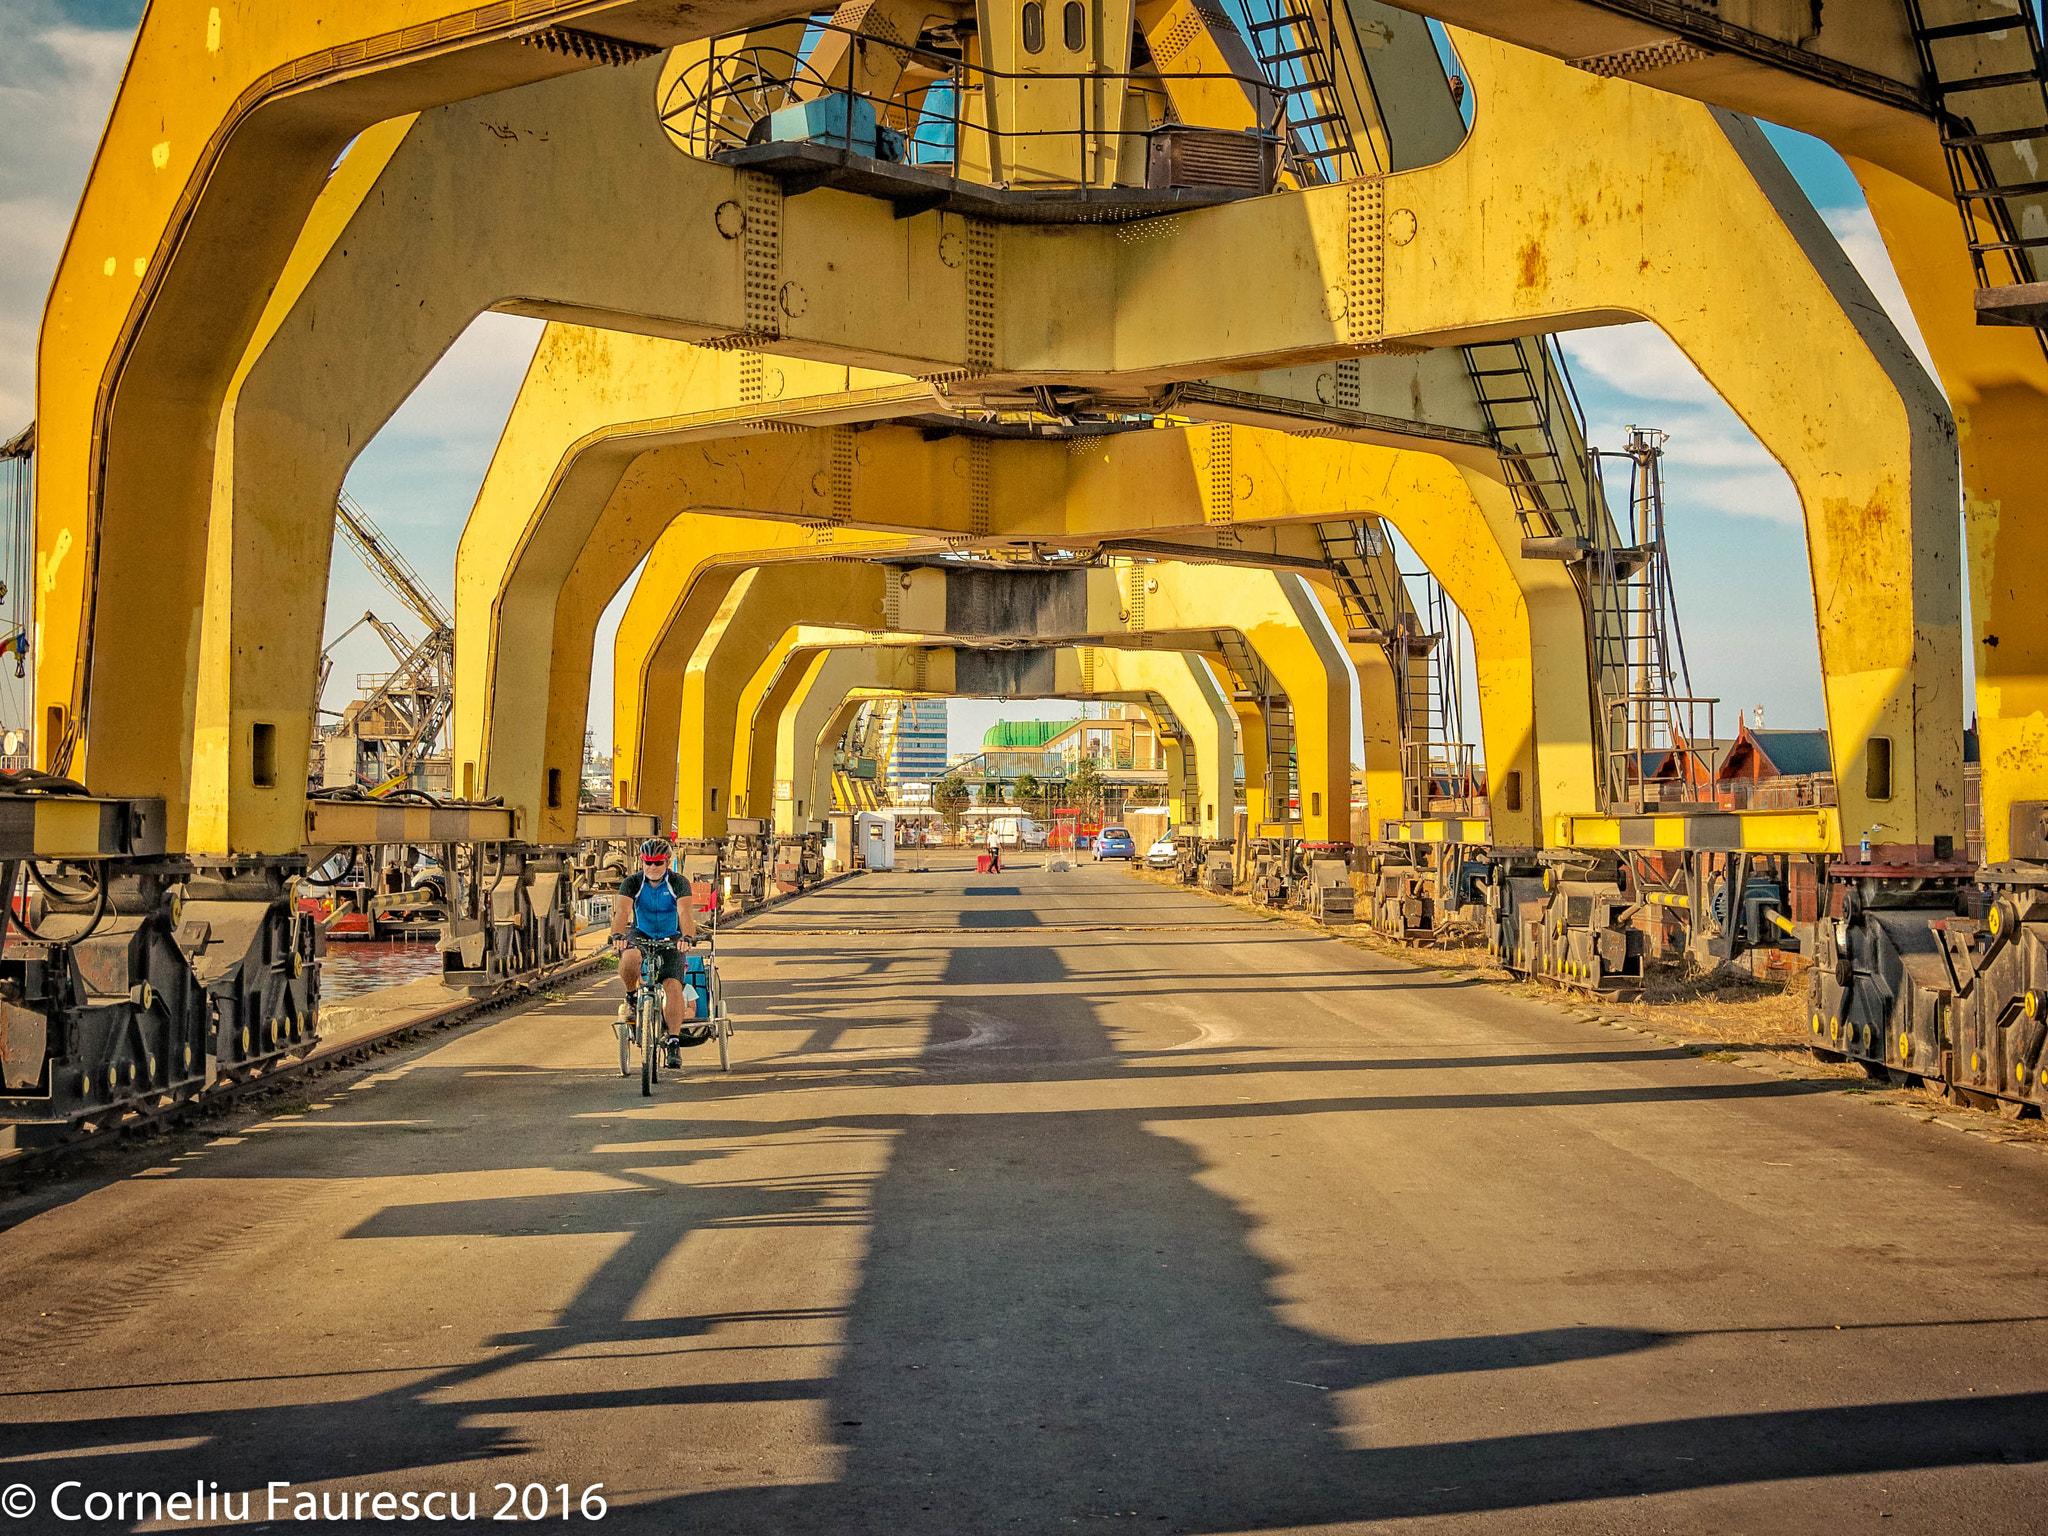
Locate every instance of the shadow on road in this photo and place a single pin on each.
(1056, 1321)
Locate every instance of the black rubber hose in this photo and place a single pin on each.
(68, 901)
(101, 906)
(309, 878)
(32, 781)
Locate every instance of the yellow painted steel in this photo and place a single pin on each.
(1997, 379)
(593, 403)
(1378, 706)
(814, 721)
(229, 117)
(601, 826)
(1862, 605)
(736, 632)
(1282, 622)
(1084, 305)
(748, 628)
(1153, 483)
(828, 684)
(1446, 829)
(820, 676)
(1817, 831)
(250, 569)
(1847, 74)
(341, 823)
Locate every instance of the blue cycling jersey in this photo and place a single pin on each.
(654, 906)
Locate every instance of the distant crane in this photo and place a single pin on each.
(397, 724)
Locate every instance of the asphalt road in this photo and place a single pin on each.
(1049, 1202)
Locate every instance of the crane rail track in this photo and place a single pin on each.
(400, 1032)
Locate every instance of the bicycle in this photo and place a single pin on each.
(648, 1024)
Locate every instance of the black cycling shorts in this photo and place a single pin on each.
(673, 960)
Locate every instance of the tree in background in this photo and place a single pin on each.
(1028, 793)
(1085, 788)
(951, 796)
(992, 792)
(1144, 794)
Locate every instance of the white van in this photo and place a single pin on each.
(1014, 832)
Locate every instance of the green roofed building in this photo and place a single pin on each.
(1021, 735)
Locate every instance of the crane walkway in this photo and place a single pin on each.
(1103, 1208)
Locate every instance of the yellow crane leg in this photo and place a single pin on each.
(1291, 318)
(1184, 681)
(1179, 681)
(749, 625)
(1380, 716)
(1837, 398)
(734, 646)
(187, 224)
(816, 714)
(291, 423)
(1997, 380)
(1280, 619)
(752, 730)
(1159, 483)
(532, 720)
(593, 405)
(1036, 493)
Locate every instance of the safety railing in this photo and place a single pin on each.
(1439, 779)
(946, 115)
(1661, 750)
(1788, 792)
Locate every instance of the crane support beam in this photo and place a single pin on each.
(1996, 377)
(1848, 74)
(1081, 306)
(1528, 628)
(1171, 685)
(770, 613)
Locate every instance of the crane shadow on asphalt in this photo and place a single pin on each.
(1054, 1318)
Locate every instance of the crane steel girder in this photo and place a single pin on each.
(1866, 361)
(768, 612)
(791, 739)
(1996, 378)
(1082, 306)
(1536, 718)
(1175, 687)
(1848, 74)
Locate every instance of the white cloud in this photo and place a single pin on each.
(57, 85)
(1865, 248)
(1767, 496)
(470, 390)
(1638, 360)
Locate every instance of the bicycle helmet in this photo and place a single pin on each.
(656, 850)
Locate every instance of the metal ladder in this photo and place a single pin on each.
(1170, 728)
(1276, 716)
(1525, 396)
(1436, 761)
(1349, 550)
(1988, 75)
(1419, 650)
(1638, 650)
(1291, 51)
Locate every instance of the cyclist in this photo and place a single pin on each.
(655, 904)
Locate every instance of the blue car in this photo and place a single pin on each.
(1114, 843)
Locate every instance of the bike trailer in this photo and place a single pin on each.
(698, 975)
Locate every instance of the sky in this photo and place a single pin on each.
(1737, 548)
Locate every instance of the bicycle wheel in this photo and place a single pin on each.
(645, 1031)
(625, 1033)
